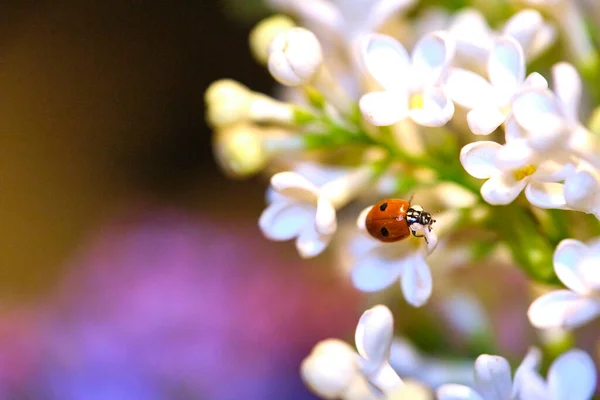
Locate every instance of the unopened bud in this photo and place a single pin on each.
(239, 151)
(263, 34)
(295, 56)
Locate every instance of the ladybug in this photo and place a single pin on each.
(395, 219)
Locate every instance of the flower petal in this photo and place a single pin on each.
(295, 186)
(325, 220)
(562, 309)
(546, 195)
(416, 281)
(502, 189)
(376, 270)
(283, 220)
(535, 81)
(506, 66)
(362, 219)
(479, 158)
(310, 243)
(582, 192)
(523, 26)
(538, 112)
(374, 334)
(528, 383)
(437, 108)
(382, 10)
(567, 260)
(386, 60)
(514, 154)
(431, 57)
(384, 108)
(457, 392)
(572, 376)
(567, 86)
(469, 89)
(484, 120)
(473, 35)
(492, 377)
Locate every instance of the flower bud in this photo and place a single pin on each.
(239, 151)
(263, 34)
(295, 56)
(227, 102)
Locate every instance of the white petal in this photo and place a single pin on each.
(432, 240)
(567, 86)
(374, 334)
(457, 392)
(473, 35)
(384, 108)
(528, 383)
(310, 243)
(553, 170)
(321, 13)
(502, 189)
(562, 309)
(294, 186)
(283, 220)
(492, 377)
(506, 66)
(572, 376)
(437, 109)
(325, 220)
(386, 60)
(362, 219)
(538, 112)
(416, 281)
(535, 81)
(469, 89)
(546, 195)
(484, 120)
(431, 57)
(567, 260)
(479, 158)
(523, 26)
(582, 192)
(514, 154)
(376, 270)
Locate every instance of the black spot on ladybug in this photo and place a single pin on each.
(384, 232)
(383, 207)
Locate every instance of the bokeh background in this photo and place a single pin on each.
(130, 267)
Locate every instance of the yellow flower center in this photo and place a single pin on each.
(524, 172)
(416, 102)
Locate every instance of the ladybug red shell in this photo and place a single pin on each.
(392, 220)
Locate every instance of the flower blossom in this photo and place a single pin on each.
(577, 265)
(412, 86)
(295, 56)
(334, 370)
(572, 376)
(508, 168)
(383, 264)
(307, 212)
(491, 103)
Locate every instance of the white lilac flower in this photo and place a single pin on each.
(295, 56)
(491, 103)
(229, 102)
(577, 265)
(383, 264)
(346, 19)
(572, 376)
(475, 39)
(508, 168)
(263, 34)
(307, 212)
(333, 370)
(412, 85)
(549, 120)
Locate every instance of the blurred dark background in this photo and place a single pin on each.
(129, 266)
